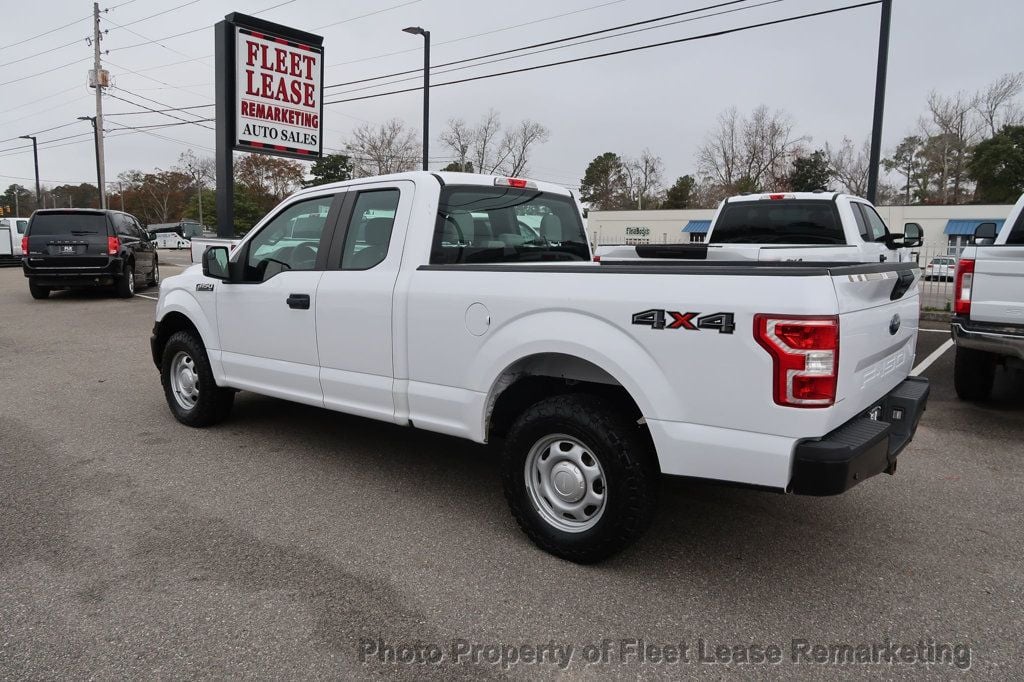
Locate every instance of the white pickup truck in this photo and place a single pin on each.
(793, 226)
(988, 321)
(420, 299)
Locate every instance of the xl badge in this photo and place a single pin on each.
(203, 286)
(894, 324)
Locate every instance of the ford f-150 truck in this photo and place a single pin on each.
(791, 226)
(988, 321)
(420, 299)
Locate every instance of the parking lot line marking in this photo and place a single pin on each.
(936, 354)
(152, 298)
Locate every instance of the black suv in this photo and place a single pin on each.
(81, 247)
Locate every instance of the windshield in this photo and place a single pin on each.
(778, 222)
(505, 225)
(68, 223)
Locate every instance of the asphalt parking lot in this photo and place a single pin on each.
(291, 542)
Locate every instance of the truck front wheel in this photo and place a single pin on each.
(579, 477)
(189, 387)
(974, 372)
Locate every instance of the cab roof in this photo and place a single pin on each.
(442, 177)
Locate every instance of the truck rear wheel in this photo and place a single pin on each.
(192, 394)
(974, 372)
(580, 478)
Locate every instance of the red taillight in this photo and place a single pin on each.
(805, 355)
(516, 182)
(776, 197)
(113, 245)
(24, 245)
(964, 282)
(597, 259)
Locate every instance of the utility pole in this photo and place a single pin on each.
(99, 81)
(35, 157)
(876, 127)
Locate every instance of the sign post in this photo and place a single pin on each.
(269, 98)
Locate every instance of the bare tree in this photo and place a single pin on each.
(956, 129)
(486, 150)
(516, 144)
(643, 179)
(458, 137)
(485, 141)
(386, 148)
(749, 152)
(850, 165)
(995, 104)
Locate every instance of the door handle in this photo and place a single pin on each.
(299, 301)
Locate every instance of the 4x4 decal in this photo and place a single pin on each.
(657, 318)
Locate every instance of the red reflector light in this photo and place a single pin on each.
(964, 284)
(113, 245)
(24, 245)
(597, 259)
(805, 357)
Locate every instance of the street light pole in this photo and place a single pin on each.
(35, 157)
(99, 169)
(876, 126)
(416, 30)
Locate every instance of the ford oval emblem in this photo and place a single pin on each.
(894, 324)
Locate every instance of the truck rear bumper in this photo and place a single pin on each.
(992, 338)
(862, 447)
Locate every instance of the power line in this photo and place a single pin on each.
(38, 54)
(576, 44)
(45, 33)
(713, 34)
(542, 44)
(478, 35)
(162, 113)
(40, 73)
(363, 16)
(157, 80)
(159, 111)
(151, 41)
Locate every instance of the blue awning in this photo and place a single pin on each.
(699, 226)
(968, 226)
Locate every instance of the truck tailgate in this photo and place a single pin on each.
(998, 290)
(878, 322)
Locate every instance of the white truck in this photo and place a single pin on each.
(792, 226)
(988, 306)
(415, 299)
(12, 230)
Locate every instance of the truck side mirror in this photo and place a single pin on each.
(912, 234)
(985, 234)
(215, 263)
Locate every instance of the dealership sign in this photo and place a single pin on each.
(278, 94)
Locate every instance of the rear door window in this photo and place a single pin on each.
(368, 236)
(1016, 235)
(778, 222)
(876, 225)
(78, 224)
(479, 224)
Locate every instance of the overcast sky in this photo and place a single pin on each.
(820, 70)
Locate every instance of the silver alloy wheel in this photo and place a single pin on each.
(184, 380)
(566, 483)
(156, 273)
(129, 272)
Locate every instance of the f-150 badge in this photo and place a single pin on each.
(657, 318)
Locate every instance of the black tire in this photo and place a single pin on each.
(154, 276)
(622, 450)
(37, 291)
(213, 404)
(974, 371)
(125, 285)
